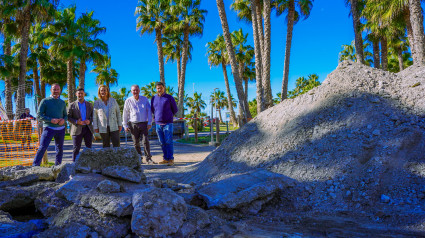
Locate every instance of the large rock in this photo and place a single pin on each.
(12, 198)
(100, 159)
(196, 220)
(74, 230)
(124, 173)
(242, 190)
(82, 190)
(104, 225)
(64, 172)
(108, 186)
(18, 197)
(26, 180)
(157, 212)
(11, 228)
(49, 204)
(18, 172)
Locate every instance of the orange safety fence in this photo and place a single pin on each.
(19, 140)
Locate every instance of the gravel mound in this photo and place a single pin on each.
(356, 142)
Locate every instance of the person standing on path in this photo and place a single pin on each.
(107, 118)
(137, 119)
(80, 115)
(164, 108)
(52, 112)
(26, 127)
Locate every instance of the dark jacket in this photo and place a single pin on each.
(74, 115)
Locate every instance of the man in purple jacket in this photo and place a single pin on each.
(163, 108)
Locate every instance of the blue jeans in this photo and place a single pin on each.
(45, 139)
(165, 136)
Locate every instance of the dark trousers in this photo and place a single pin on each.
(78, 139)
(138, 130)
(45, 139)
(109, 136)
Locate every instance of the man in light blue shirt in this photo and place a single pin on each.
(137, 119)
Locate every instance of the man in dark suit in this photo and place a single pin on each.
(80, 115)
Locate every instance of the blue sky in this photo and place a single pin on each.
(315, 46)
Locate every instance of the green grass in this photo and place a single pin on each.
(202, 140)
(7, 163)
(207, 128)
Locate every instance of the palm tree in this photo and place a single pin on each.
(190, 21)
(151, 17)
(120, 97)
(149, 90)
(233, 62)
(417, 21)
(9, 29)
(217, 55)
(290, 7)
(106, 74)
(219, 100)
(91, 46)
(25, 12)
(355, 11)
(63, 37)
(195, 103)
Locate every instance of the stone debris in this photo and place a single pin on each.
(157, 212)
(124, 173)
(103, 158)
(108, 186)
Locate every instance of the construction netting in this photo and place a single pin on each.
(18, 142)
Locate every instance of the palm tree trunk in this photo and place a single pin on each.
(37, 84)
(376, 58)
(82, 76)
(7, 49)
(259, 21)
(246, 89)
(23, 59)
(229, 95)
(69, 79)
(266, 55)
(258, 64)
(42, 83)
(158, 39)
(219, 114)
(410, 33)
(183, 69)
(400, 58)
(233, 63)
(417, 21)
(357, 31)
(291, 19)
(384, 53)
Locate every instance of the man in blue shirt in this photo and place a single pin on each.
(80, 115)
(164, 108)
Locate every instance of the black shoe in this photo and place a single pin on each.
(150, 161)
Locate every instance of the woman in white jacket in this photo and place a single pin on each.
(107, 117)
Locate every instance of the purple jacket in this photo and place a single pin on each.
(163, 108)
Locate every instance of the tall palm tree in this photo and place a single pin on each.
(26, 12)
(268, 96)
(295, 9)
(106, 74)
(191, 22)
(195, 103)
(219, 101)
(149, 90)
(417, 21)
(64, 42)
(9, 30)
(355, 11)
(233, 62)
(151, 17)
(217, 55)
(91, 46)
